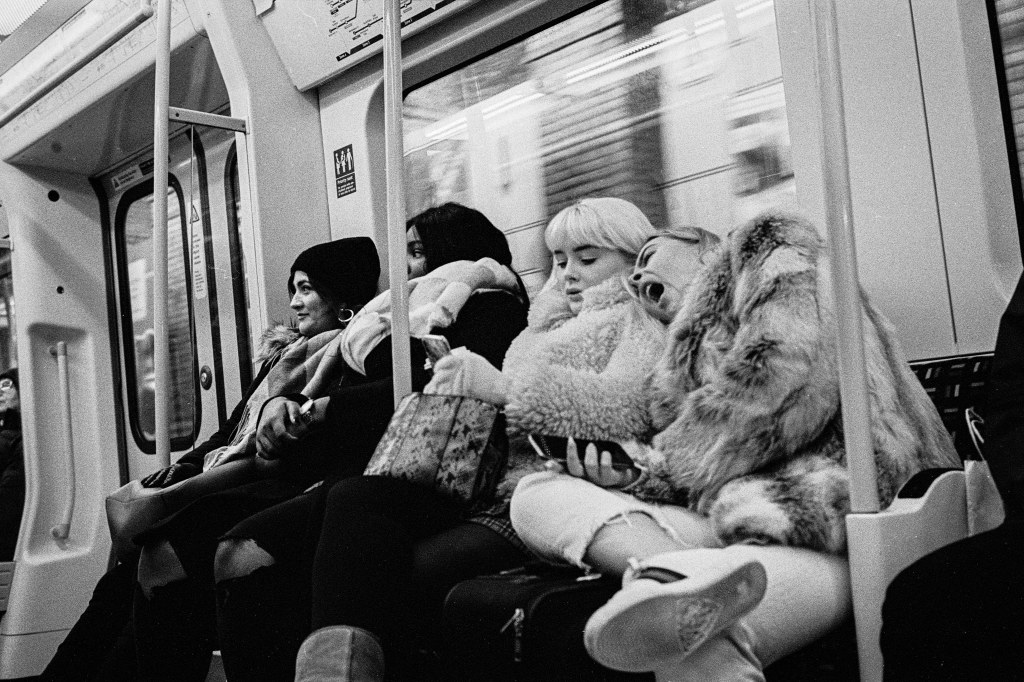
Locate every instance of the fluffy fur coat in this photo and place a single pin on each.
(746, 395)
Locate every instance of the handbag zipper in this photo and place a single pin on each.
(518, 620)
(516, 623)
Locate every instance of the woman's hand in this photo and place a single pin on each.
(463, 372)
(170, 475)
(280, 427)
(597, 467)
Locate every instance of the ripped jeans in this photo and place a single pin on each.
(808, 594)
(557, 516)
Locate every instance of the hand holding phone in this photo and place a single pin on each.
(615, 470)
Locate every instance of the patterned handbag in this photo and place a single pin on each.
(454, 444)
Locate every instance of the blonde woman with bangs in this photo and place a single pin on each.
(580, 367)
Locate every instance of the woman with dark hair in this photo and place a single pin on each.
(264, 564)
(326, 282)
(452, 232)
(305, 432)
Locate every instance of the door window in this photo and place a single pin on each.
(8, 338)
(134, 230)
(239, 286)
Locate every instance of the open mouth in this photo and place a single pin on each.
(652, 291)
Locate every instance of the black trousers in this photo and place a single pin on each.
(958, 613)
(175, 629)
(100, 646)
(385, 555)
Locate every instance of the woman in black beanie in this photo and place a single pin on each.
(331, 435)
(328, 282)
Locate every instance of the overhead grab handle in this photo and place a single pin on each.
(144, 12)
(62, 530)
(201, 118)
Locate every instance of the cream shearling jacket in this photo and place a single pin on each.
(581, 375)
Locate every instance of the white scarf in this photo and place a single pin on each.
(434, 303)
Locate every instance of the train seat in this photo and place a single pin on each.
(929, 512)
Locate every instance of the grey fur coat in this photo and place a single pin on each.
(746, 394)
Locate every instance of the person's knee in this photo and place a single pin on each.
(532, 495)
(159, 565)
(239, 557)
(359, 493)
(629, 534)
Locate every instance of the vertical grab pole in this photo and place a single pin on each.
(161, 345)
(394, 172)
(843, 256)
(62, 530)
(864, 542)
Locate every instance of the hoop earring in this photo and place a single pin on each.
(345, 315)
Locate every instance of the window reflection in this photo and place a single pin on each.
(678, 107)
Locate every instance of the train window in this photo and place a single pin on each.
(134, 229)
(677, 106)
(8, 337)
(240, 289)
(1008, 30)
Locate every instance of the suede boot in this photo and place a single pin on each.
(669, 605)
(340, 653)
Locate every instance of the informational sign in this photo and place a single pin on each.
(344, 171)
(199, 290)
(318, 39)
(128, 176)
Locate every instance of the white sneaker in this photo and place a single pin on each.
(662, 614)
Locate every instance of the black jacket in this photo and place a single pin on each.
(1004, 407)
(361, 406)
(12, 483)
(223, 435)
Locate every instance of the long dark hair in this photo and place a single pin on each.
(452, 232)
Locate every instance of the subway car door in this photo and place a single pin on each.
(207, 312)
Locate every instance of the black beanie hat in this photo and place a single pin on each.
(347, 268)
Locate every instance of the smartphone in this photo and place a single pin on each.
(554, 447)
(436, 347)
